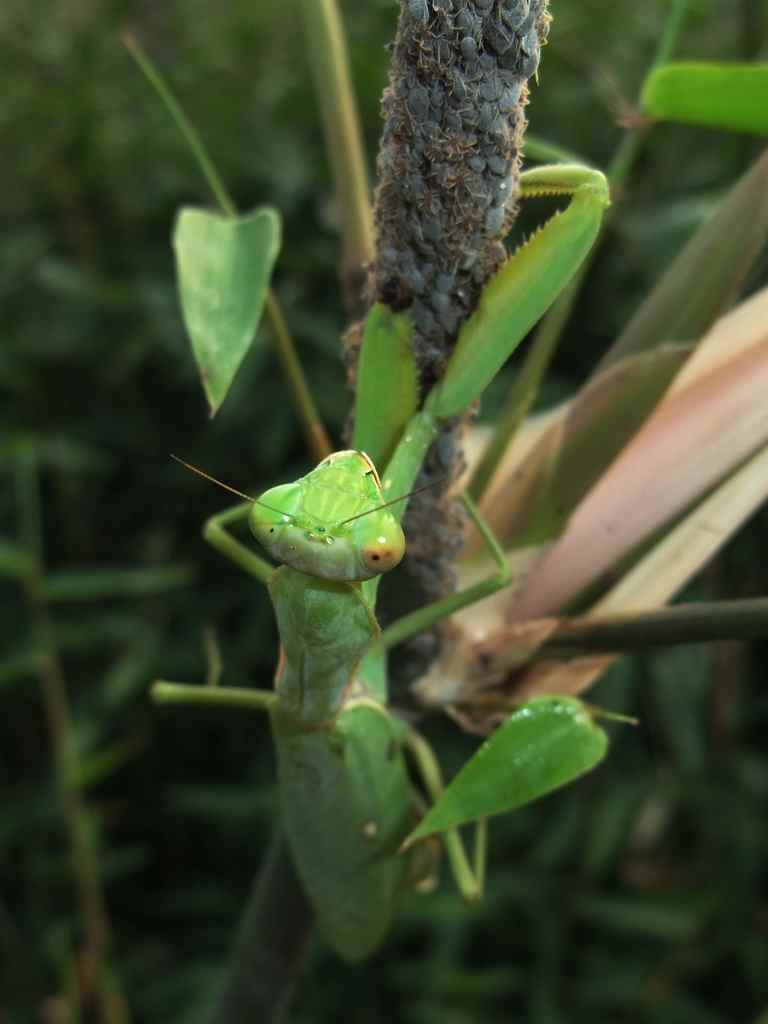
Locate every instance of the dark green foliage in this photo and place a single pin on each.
(636, 896)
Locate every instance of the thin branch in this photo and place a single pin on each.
(704, 622)
(271, 945)
(83, 842)
(327, 48)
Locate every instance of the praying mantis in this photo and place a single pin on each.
(354, 820)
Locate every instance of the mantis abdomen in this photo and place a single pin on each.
(346, 806)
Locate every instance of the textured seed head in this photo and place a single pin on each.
(467, 22)
(510, 97)
(497, 163)
(419, 10)
(469, 48)
(448, 167)
(529, 63)
(494, 219)
(497, 38)
(418, 102)
(514, 13)
(530, 42)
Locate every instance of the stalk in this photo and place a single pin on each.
(97, 981)
(329, 58)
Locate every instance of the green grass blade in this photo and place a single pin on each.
(699, 285)
(543, 150)
(543, 745)
(19, 667)
(387, 387)
(707, 276)
(329, 58)
(100, 584)
(567, 460)
(224, 265)
(15, 561)
(733, 97)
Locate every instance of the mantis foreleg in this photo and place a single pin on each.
(469, 879)
(423, 618)
(166, 692)
(346, 797)
(214, 533)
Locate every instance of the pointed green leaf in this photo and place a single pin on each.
(729, 96)
(387, 389)
(224, 265)
(542, 745)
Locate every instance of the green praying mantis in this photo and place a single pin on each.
(355, 821)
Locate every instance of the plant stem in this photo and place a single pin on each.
(182, 122)
(83, 842)
(314, 430)
(327, 48)
(271, 945)
(704, 622)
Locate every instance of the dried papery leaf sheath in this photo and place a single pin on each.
(448, 172)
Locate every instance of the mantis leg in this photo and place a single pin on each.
(218, 536)
(416, 622)
(165, 692)
(469, 878)
(525, 286)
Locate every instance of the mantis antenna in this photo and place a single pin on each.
(394, 501)
(255, 501)
(226, 487)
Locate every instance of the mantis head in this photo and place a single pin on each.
(331, 523)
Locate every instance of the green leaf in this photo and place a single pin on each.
(101, 584)
(98, 766)
(547, 152)
(224, 265)
(565, 462)
(701, 283)
(17, 668)
(387, 391)
(729, 96)
(542, 745)
(15, 561)
(674, 916)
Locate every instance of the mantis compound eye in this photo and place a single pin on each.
(383, 553)
(382, 550)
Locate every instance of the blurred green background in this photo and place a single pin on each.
(637, 896)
